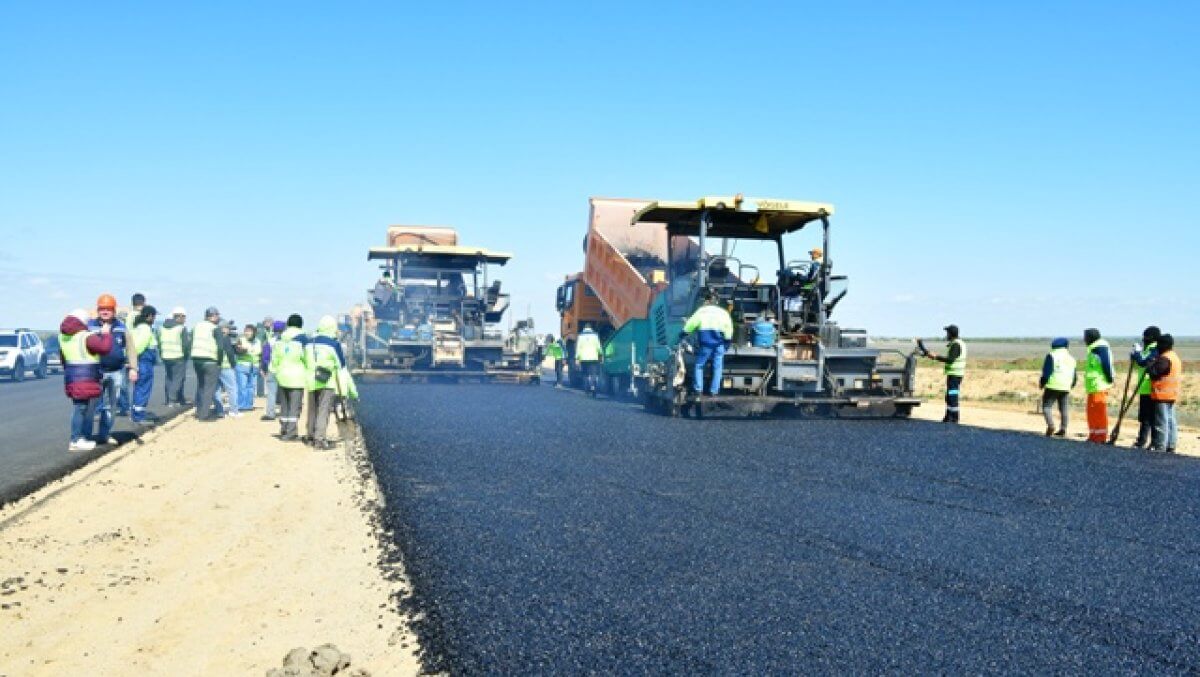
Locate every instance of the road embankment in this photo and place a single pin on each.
(209, 549)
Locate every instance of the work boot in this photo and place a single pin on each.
(1062, 432)
(81, 444)
(265, 417)
(946, 418)
(1049, 431)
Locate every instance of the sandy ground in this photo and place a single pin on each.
(1008, 417)
(211, 549)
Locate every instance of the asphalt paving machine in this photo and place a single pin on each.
(786, 351)
(436, 312)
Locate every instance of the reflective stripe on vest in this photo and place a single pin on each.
(1144, 388)
(1063, 376)
(204, 344)
(78, 363)
(170, 342)
(1095, 380)
(1166, 389)
(957, 367)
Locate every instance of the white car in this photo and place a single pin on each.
(22, 351)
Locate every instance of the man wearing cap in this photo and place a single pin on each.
(714, 330)
(175, 344)
(955, 360)
(227, 381)
(205, 351)
(1058, 377)
(113, 366)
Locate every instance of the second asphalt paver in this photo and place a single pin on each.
(545, 532)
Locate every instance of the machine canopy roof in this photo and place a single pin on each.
(439, 256)
(734, 216)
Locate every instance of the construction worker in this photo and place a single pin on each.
(289, 363)
(249, 350)
(714, 331)
(1058, 377)
(327, 380)
(227, 381)
(204, 360)
(145, 348)
(81, 350)
(115, 367)
(955, 360)
(1142, 355)
(263, 333)
(554, 350)
(1166, 382)
(175, 344)
(589, 353)
(1098, 378)
(270, 387)
(125, 397)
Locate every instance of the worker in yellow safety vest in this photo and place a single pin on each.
(289, 364)
(714, 331)
(589, 354)
(1098, 377)
(955, 361)
(145, 348)
(1058, 377)
(174, 346)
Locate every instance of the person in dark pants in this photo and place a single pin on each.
(175, 344)
(205, 350)
(955, 360)
(1058, 377)
(1143, 355)
(289, 363)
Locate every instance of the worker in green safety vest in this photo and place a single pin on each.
(145, 350)
(175, 345)
(289, 363)
(554, 350)
(1098, 377)
(204, 360)
(1058, 377)
(249, 350)
(589, 353)
(1143, 354)
(955, 361)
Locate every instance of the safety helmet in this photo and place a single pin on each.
(816, 252)
(106, 301)
(179, 311)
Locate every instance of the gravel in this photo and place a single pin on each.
(544, 532)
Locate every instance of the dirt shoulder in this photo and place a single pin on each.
(210, 549)
(1010, 417)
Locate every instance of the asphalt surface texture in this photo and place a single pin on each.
(35, 427)
(548, 533)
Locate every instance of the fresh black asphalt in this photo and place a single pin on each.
(548, 533)
(35, 428)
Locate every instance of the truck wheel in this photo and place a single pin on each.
(18, 373)
(42, 370)
(903, 411)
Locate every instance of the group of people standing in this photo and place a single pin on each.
(1153, 362)
(108, 367)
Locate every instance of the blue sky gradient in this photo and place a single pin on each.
(1018, 168)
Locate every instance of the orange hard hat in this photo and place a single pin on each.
(816, 251)
(106, 301)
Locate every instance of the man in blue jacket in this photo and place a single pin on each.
(112, 366)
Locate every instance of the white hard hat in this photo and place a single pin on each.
(81, 315)
(179, 311)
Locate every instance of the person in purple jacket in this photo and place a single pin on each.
(271, 388)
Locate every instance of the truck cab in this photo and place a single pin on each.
(578, 305)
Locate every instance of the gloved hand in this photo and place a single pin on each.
(1137, 347)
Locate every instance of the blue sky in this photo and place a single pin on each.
(1017, 168)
